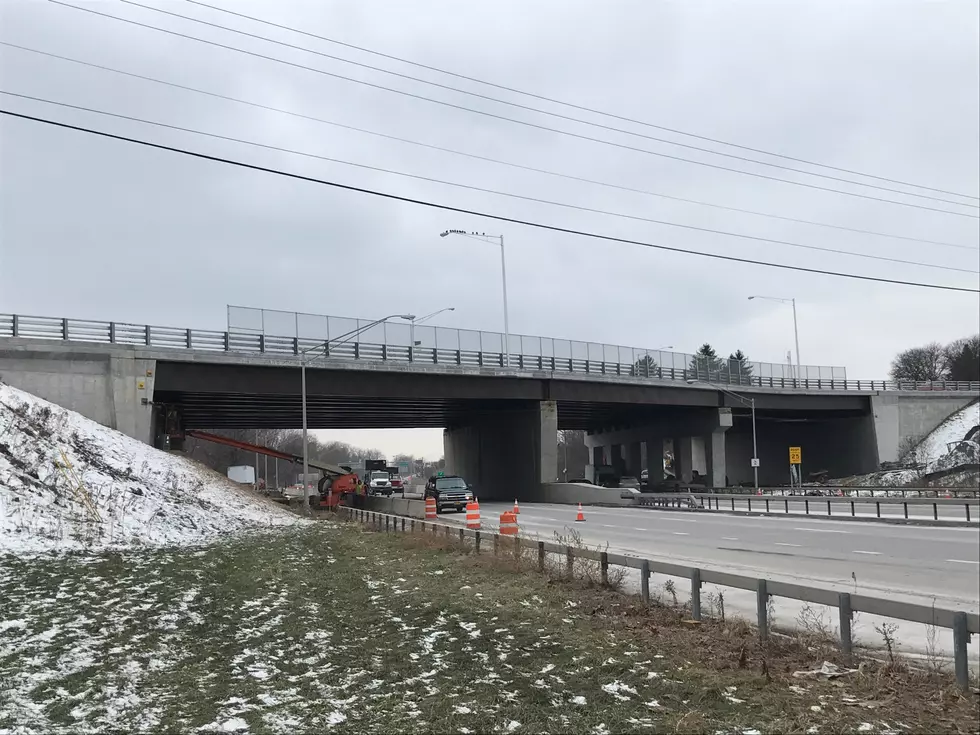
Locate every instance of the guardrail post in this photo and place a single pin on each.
(762, 609)
(750, 505)
(112, 331)
(785, 505)
(844, 606)
(16, 325)
(64, 329)
(261, 343)
(878, 508)
(569, 561)
(935, 511)
(852, 508)
(733, 504)
(227, 341)
(295, 345)
(604, 568)
(645, 582)
(357, 350)
(147, 337)
(540, 556)
(459, 357)
(384, 352)
(462, 536)
(767, 505)
(403, 525)
(906, 507)
(961, 638)
(411, 525)
(190, 340)
(479, 359)
(476, 542)
(806, 503)
(696, 594)
(967, 506)
(496, 543)
(828, 509)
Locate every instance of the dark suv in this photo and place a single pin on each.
(449, 491)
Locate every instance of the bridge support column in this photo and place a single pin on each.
(506, 456)
(714, 455)
(683, 458)
(655, 459)
(633, 459)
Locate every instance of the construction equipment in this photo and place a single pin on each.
(336, 480)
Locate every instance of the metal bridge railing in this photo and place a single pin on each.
(84, 330)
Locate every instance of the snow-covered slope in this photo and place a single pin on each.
(117, 491)
(955, 428)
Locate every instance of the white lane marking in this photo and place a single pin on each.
(821, 530)
(869, 553)
(639, 529)
(962, 561)
(679, 533)
(681, 520)
(607, 525)
(728, 538)
(782, 544)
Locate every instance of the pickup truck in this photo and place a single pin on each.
(449, 492)
(380, 483)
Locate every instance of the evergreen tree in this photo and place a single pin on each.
(739, 368)
(646, 367)
(705, 364)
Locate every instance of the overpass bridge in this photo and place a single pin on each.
(500, 422)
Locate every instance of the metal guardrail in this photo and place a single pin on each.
(963, 624)
(765, 503)
(83, 330)
(856, 491)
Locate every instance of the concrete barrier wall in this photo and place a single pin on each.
(397, 506)
(572, 493)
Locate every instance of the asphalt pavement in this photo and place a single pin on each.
(928, 565)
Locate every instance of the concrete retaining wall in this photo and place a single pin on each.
(901, 416)
(113, 388)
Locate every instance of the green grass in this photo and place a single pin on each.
(330, 627)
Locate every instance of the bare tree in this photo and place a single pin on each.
(929, 362)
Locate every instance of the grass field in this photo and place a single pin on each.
(332, 627)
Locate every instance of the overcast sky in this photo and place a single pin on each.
(99, 229)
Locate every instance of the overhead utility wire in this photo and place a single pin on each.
(476, 213)
(478, 157)
(540, 111)
(572, 105)
(514, 120)
(444, 182)
(495, 192)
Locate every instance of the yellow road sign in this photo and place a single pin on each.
(795, 455)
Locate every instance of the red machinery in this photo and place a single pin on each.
(336, 480)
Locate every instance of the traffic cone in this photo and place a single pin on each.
(581, 516)
(517, 509)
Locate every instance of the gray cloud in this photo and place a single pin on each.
(103, 230)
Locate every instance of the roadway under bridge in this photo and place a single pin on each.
(500, 425)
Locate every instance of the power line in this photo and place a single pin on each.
(539, 110)
(478, 157)
(515, 120)
(575, 106)
(536, 200)
(475, 213)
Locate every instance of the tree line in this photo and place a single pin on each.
(958, 360)
(220, 457)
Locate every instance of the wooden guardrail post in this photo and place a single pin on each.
(476, 542)
(645, 582)
(569, 562)
(540, 556)
(696, 594)
(844, 607)
(604, 568)
(762, 610)
(961, 639)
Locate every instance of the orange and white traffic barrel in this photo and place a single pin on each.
(431, 511)
(508, 524)
(473, 515)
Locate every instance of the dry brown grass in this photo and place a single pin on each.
(725, 653)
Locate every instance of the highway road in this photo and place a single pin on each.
(913, 563)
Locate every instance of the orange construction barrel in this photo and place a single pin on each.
(431, 511)
(508, 524)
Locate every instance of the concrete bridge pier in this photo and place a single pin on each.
(507, 454)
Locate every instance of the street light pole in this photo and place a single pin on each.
(421, 319)
(796, 331)
(749, 401)
(302, 369)
(503, 276)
